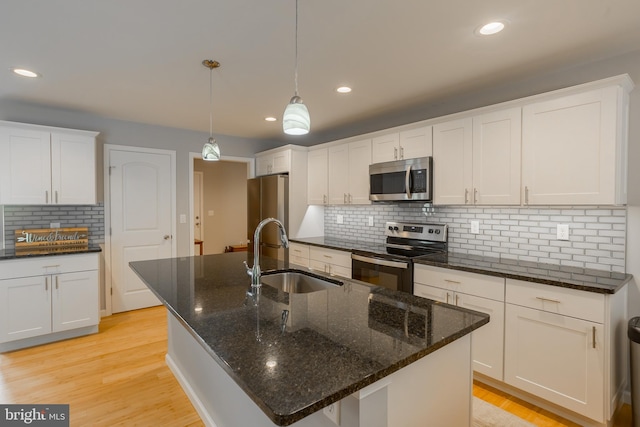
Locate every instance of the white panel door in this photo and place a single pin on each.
(141, 221)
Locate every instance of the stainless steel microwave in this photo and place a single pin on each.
(401, 180)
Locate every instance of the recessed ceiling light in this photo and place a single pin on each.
(491, 28)
(24, 73)
(270, 119)
(343, 89)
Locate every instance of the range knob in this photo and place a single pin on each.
(437, 231)
(390, 228)
(395, 228)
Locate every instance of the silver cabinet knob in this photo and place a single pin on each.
(167, 237)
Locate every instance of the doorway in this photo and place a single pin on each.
(140, 220)
(223, 203)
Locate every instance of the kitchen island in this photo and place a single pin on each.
(274, 358)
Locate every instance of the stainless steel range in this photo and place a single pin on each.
(390, 265)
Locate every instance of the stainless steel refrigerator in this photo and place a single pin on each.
(268, 197)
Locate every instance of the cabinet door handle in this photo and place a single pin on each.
(593, 336)
(452, 281)
(526, 195)
(350, 198)
(324, 199)
(475, 196)
(395, 153)
(56, 196)
(344, 198)
(447, 297)
(401, 152)
(46, 283)
(57, 281)
(466, 196)
(457, 298)
(51, 266)
(549, 300)
(327, 256)
(46, 196)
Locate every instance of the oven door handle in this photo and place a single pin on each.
(379, 261)
(407, 182)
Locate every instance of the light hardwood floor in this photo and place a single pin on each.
(118, 377)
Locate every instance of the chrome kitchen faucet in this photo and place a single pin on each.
(255, 271)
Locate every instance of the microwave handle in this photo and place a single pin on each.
(407, 182)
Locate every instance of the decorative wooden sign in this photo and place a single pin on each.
(52, 238)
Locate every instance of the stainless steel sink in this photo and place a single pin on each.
(297, 282)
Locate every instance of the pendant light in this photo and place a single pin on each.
(296, 120)
(211, 151)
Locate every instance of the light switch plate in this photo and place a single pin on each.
(339, 219)
(475, 227)
(370, 221)
(183, 219)
(54, 225)
(563, 232)
(210, 213)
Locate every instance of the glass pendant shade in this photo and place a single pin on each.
(211, 151)
(296, 120)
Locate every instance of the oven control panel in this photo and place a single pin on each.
(432, 232)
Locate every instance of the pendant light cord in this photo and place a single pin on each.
(210, 102)
(296, 54)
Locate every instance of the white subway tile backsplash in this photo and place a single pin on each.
(596, 235)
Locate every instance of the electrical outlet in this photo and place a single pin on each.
(475, 227)
(370, 221)
(333, 413)
(562, 232)
(339, 219)
(54, 225)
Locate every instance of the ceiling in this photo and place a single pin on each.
(140, 60)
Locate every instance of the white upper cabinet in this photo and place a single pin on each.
(318, 182)
(349, 173)
(452, 162)
(574, 149)
(40, 165)
(496, 157)
(477, 159)
(407, 144)
(273, 162)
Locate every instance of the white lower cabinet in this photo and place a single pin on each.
(51, 299)
(476, 292)
(332, 261)
(555, 345)
(299, 254)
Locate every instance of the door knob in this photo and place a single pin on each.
(167, 237)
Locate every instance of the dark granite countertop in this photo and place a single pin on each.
(584, 279)
(336, 341)
(333, 243)
(6, 254)
(590, 280)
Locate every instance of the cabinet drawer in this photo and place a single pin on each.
(40, 266)
(460, 281)
(330, 256)
(554, 299)
(298, 250)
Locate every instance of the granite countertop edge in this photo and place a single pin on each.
(10, 254)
